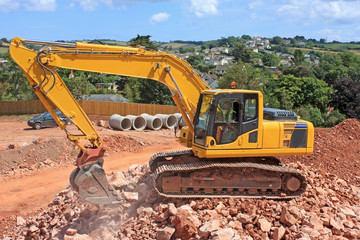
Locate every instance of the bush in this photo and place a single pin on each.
(334, 118)
(311, 114)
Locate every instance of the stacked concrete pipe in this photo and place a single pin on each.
(137, 122)
(120, 122)
(181, 121)
(169, 121)
(152, 122)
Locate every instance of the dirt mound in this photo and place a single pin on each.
(46, 153)
(42, 154)
(329, 209)
(336, 151)
(118, 143)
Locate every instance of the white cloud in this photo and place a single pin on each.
(338, 11)
(8, 5)
(88, 5)
(255, 4)
(158, 18)
(40, 5)
(202, 8)
(340, 34)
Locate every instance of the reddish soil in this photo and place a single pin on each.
(336, 151)
(38, 166)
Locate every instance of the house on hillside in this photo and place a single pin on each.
(213, 83)
(110, 86)
(221, 69)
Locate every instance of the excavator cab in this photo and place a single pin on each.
(222, 116)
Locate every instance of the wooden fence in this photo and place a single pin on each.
(90, 107)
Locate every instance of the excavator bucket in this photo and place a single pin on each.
(91, 183)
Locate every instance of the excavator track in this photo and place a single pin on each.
(182, 175)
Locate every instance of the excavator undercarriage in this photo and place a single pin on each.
(180, 174)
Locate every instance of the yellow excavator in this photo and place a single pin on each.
(233, 140)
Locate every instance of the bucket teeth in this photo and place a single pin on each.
(91, 183)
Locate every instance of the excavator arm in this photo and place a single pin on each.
(40, 70)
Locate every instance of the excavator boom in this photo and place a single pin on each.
(40, 69)
(232, 137)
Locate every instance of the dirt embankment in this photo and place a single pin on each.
(336, 151)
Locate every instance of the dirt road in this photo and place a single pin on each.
(28, 193)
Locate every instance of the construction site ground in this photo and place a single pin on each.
(36, 164)
(40, 164)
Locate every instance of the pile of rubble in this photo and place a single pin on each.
(329, 209)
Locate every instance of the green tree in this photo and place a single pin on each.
(312, 114)
(246, 37)
(241, 52)
(195, 60)
(13, 82)
(78, 85)
(270, 60)
(145, 90)
(303, 70)
(276, 40)
(298, 57)
(301, 91)
(244, 75)
(137, 90)
(347, 98)
(334, 118)
(4, 40)
(143, 41)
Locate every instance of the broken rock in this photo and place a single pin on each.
(289, 216)
(130, 196)
(186, 222)
(264, 225)
(165, 234)
(208, 227)
(20, 221)
(223, 234)
(279, 233)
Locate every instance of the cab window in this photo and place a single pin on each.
(226, 127)
(250, 111)
(203, 120)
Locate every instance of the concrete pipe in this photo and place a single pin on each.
(152, 122)
(181, 121)
(169, 121)
(119, 122)
(137, 122)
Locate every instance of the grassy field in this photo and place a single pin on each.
(316, 49)
(3, 50)
(177, 46)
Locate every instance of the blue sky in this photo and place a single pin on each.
(166, 20)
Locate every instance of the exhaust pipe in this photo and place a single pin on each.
(169, 121)
(181, 121)
(152, 122)
(137, 122)
(119, 122)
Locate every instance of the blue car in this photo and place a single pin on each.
(46, 120)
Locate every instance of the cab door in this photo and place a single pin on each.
(250, 135)
(238, 126)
